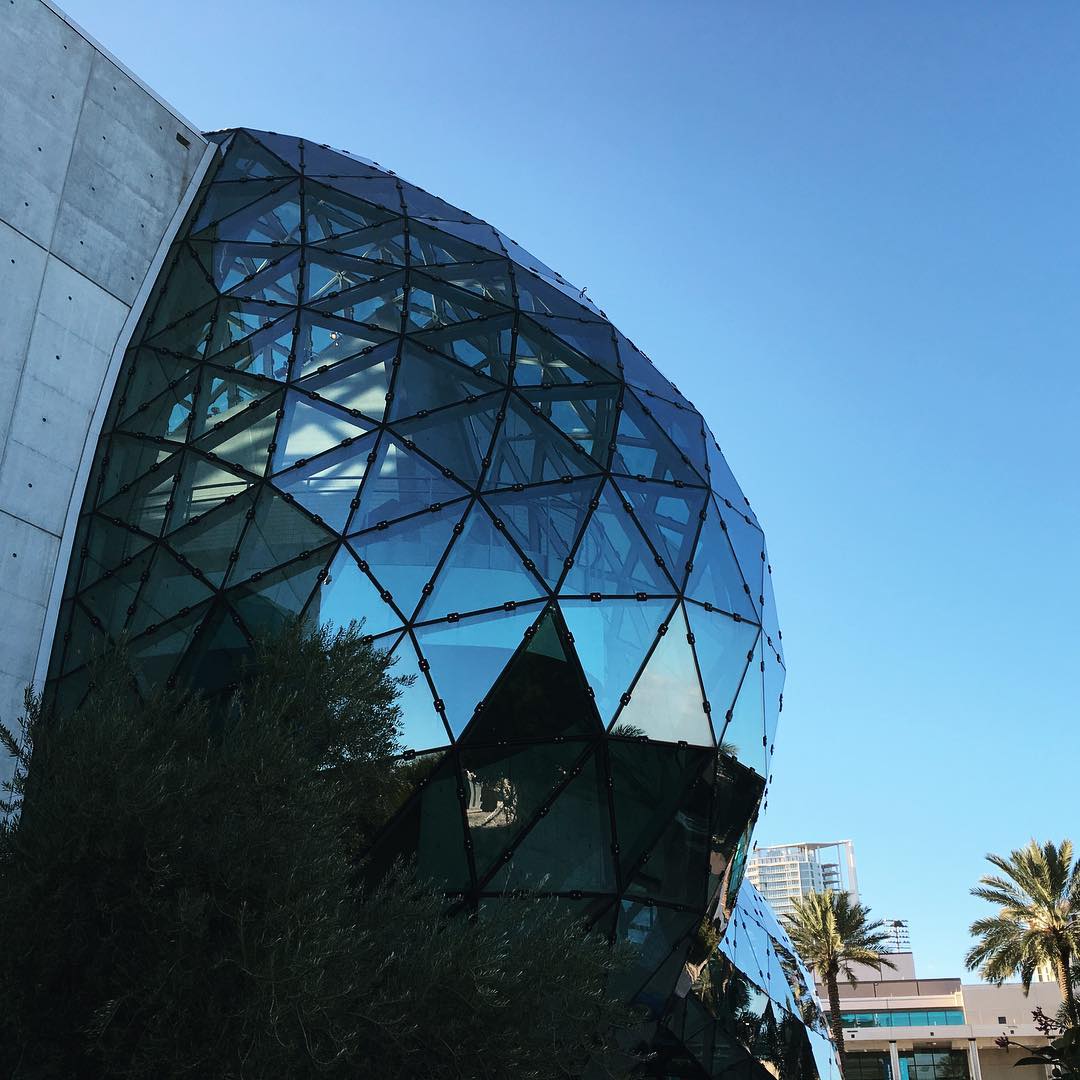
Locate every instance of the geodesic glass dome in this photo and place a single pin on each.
(348, 399)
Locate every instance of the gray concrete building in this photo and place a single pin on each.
(95, 170)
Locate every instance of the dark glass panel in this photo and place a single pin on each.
(485, 346)
(541, 694)
(246, 440)
(188, 289)
(331, 213)
(505, 788)
(613, 557)
(169, 588)
(145, 502)
(611, 640)
(569, 847)
(422, 725)
(238, 320)
(543, 360)
(545, 522)
(112, 599)
(149, 373)
(227, 197)
(638, 371)
(128, 458)
(427, 381)
(736, 794)
(279, 597)
(654, 932)
(435, 249)
(217, 652)
(434, 303)
(384, 243)
(377, 303)
(222, 396)
(359, 383)
(187, 335)
(265, 353)
(209, 541)
(201, 487)
(330, 274)
(156, 653)
(278, 283)
(482, 570)
(429, 829)
(101, 546)
(540, 298)
(591, 339)
(323, 161)
(277, 534)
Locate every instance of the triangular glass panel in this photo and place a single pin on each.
(332, 213)
(168, 414)
(208, 542)
(545, 521)
(467, 656)
(112, 600)
(684, 427)
(123, 459)
(642, 449)
(217, 652)
(273, 219)
(377, 303)
(434, 303)
(427, 381)
(403, 556)
(647, 784)
(769, 621)
(188, 289)
(278, 534)
(505, 787)
(674, 867)
(85, 639)
(457, 438)
(721, 480)
(324, 340)
(591, 339)
(666, 702)
(544, 360)
(237, 320)
(736, 794)
(150, 374)
(400, 482)
(569, 847)
(359, 384)
(542, 694)
(481, 571)
(230, 265)
(716, 579)
(170, 589)
(638, 371)
(670, 517)
(529, 450)
(246, 441)
(488, 280)
(721, 645)
(279, 283)
(430, 830)
(479, 233)
(145, 502)
(187, 336)
(155, 653)
(278, 598)
(422, 725)
(774, 698)
(326, 162)
(744, 736)
(613, 557)
(655, 932)
(247, 158)
(201, 487)
(309, 428)
(102, 546)
(385, 244)
(485, 345)
(328, 485)
(611, 640)
(435, 248)
(226, 197)
(223, 395)
(348, 593)
(266, 352)
(584, 414)
(330, 274)
(540, 298)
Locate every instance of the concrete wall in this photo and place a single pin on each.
(94, 169)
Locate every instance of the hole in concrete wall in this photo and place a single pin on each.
(181, 140)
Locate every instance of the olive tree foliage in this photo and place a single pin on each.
(179, 896)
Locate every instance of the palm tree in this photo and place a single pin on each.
(831, 933)
(1038, 921)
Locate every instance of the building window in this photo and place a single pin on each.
(867, 1065)
(903, 1018)
(933, 1065)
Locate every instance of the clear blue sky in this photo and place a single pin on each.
(850, 233)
